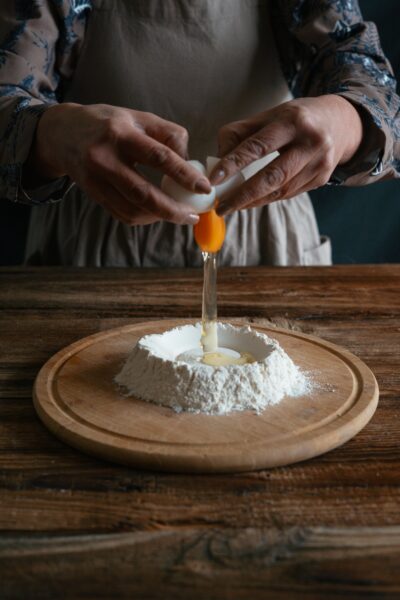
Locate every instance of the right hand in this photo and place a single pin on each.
(98, 146)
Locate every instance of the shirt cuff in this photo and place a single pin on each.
(53, 191)
(12, 188)
(369, 159)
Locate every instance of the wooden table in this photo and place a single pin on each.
(74, 527)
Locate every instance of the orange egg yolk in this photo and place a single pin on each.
(209, 232)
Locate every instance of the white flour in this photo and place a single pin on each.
(152, 372)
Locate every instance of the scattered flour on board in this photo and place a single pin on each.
(152, 373)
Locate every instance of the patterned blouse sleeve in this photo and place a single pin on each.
(39, 43)
(327, 48)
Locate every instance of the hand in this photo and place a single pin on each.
(313, 136)
(98, 146)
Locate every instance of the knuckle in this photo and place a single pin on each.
(249, 151)
(247, 197)
(321, 179)
(318, 138)
(327, 163)
(228, 132)
(278, 194)
(274, 177)
(303, 120)
(237, 159)
(178, 136)
(91, 157)
(143, 192)
(140, 191)
(325, 180)
(158, 155)
(182, 133)
(256, 147)
(326, 143)
(178, 171)
(111, 129)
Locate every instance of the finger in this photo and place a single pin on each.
(136, 189)
(285, 194)
(170, 134)
(270, 180)
(118, 206)
(232, 134)
(273, 136)
(142, 194)
(141, 148)
(310, 178)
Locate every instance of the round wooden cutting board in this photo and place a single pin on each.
(77, 399)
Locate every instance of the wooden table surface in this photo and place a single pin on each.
(74, 527)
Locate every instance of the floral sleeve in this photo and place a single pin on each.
(39, 42)
(327, 48)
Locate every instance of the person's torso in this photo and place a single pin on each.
(201, 64)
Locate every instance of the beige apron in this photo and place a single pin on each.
(199, 63)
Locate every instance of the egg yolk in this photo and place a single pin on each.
(209, 232)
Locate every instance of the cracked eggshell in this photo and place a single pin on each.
(259, 164)
(234, 182)
(200, 203)
(222, 189)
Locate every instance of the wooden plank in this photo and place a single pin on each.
(312, 290)
(48, 489)
(252, 563)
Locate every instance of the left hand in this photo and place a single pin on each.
(313, 136)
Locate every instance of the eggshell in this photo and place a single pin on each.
(200, 203)
(259, 164)
(227, 186)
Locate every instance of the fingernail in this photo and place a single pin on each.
(202, 186)
(217, 177)
(192, 219)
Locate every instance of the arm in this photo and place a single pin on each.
(96, 146)
(30, 74)
(326, 48)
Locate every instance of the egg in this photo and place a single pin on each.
(227, 186)
(209, 232)
(200, 203)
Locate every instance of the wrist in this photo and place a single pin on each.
(46, 160)
(350, 127)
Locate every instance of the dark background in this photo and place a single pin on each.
(363, 223)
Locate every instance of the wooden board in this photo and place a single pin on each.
(76, 398)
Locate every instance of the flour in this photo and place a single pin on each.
(152, 372)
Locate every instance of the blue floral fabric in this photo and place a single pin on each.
(325, 47)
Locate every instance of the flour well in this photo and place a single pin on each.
(153, 373)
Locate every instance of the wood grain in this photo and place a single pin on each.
(77, 399)
(253, 563)
(335, 518)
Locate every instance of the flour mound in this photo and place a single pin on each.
(152, 372)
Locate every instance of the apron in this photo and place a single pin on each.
(199, 63)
